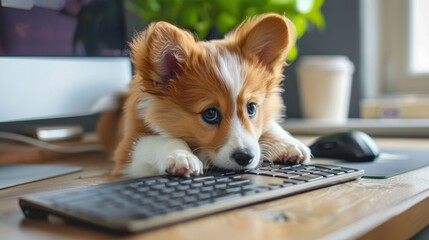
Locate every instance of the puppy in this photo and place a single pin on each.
(195, 104)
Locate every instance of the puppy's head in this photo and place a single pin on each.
(218, 96)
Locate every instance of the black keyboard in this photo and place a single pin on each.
(144, 203)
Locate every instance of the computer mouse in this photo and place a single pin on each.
(351, 146)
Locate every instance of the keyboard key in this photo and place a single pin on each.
(193, 191)
(269, 173)
(228, 173)
(204, 195)
(347, 170)
(220, 186)
(175, 202)
(207, 188)
(163, 180)
(209, 182)
(285, 175)
(185, 181)
(302, 173)
(238, 182)
(189, 199)
(256, 171)
(146, 201)
(222, 179)
(235, 189)
(162, 197)
(202, 178)
(277, 165)
(336, 172)
(149, 181)
(266, 168)
(326, 166)
(235, 177)
(308, 171)
(309, 167)
(152, 193)
(172, 184)
(183, 187)
(158, 186)
(167, 190)
(126, 192)
(261, 189)
(196, 184)
(177, 194)
(282, 171)
(309, 178)
(142, 189)
(324, 174)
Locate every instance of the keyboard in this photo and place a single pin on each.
(145, 203)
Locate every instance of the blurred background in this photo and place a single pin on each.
(386, 40)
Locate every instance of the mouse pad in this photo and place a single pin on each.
(392, 161)
(17, 174)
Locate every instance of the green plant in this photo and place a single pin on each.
(201, 16)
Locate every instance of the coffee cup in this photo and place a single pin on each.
(325, 86)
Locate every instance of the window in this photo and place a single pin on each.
(395, 38)
(419, 42)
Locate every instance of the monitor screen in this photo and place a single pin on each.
(63, 28)
(61, 58)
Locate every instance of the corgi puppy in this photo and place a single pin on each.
(195, 104)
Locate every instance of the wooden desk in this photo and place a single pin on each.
(394, 208)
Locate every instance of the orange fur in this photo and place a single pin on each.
(176, 99)
(111, 126)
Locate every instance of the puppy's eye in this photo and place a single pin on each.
(251, 109)
(211, 116)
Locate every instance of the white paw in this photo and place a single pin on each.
(290, 150)
(183, 163)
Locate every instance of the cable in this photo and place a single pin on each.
(50, 146)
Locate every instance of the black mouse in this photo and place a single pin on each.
(351, 146)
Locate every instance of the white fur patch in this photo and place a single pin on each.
(142, 109)
(153, 155)
(143, 105)
(289, 146)
(238, 139)
(231, 72)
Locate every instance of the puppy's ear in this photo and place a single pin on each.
(160, 51)
(269, 37)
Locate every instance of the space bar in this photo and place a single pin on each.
(227, 197)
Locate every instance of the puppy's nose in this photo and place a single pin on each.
(242, 156)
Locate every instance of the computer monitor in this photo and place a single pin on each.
(61, 58)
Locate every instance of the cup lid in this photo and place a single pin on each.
(326, 62)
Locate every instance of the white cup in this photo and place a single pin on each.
(325, 85)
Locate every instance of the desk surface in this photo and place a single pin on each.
(390, 208)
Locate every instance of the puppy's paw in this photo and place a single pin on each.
(283, 151)
(295, 152)
(183, 163)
